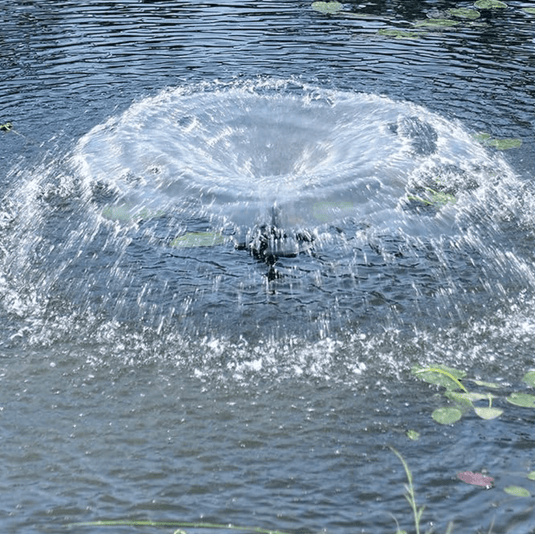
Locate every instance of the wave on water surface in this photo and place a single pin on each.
(266, 210)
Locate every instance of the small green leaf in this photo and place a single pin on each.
(531, 475)
(517, 491)
(436, 23)
(530, 10)
(198, 239)
(529, 378)
(488, 413)
(412, 434)
(447, 415)
(492, 385)
(398, 34)
(499, 144)
(464, 13)
(522, 399)
(490, 4)
(330, 8)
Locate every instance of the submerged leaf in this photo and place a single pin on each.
(522, 399)
(517, 491)
(436, 23)
(499, 144)
(447, 415)
(476, 479)
(198, 239)
(327, 7)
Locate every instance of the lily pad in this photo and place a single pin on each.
(398, 34)
(531, 475)
(436, 23)
(482, 383)
(488, 413)
(522, 399)
(530, 10)
(447, 415)
(490, 4)
(330, 8)
(476, 479)
(517, 491)
(464, 13)
(125, 213)
(529, 378)
(198, 239)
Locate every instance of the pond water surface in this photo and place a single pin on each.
(229, 231)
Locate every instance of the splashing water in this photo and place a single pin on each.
(142, 235)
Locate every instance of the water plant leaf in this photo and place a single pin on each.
(476, 479)
(530, 10)
(398, 34)
(6, 127)
(488, 412)
(447, 415)
(522, 399)
(464, 13)
(441, 375)
(529, 378)
(198, 239)
(436, 23)
(517, 491)
(499, 144)
(330, 8)
(126, 213)
(490, 4)
(531, 475)
(482, 383)
(413, 435)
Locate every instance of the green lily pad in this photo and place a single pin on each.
(440, 375)
(490, 4)
(464, 13)
(529, 378)
(488, 413)
(482, 383)
(447, 415)
(517, 491)
(531, 475)
(530, 10)
(522, 399)
(330, 8)
(198, 239)
(436, 23)
(125, 213)
(398, 34)
(413, 435)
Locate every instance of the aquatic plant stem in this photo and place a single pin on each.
(410, 495)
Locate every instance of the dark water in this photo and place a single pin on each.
(260, 378)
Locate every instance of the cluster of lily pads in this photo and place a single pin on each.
(451, 17)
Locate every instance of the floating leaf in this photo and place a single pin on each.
(464, 13)
(529, 378)
(517, 491)
(488, 413)
(198, 239)
(440, 375)
(476, 479)
(436, 23)
(329, 8)
(522, 399)
(530, 10)
(490, 4)
(447, 415)
(398, 34)
(412, 434)
(125, 213)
